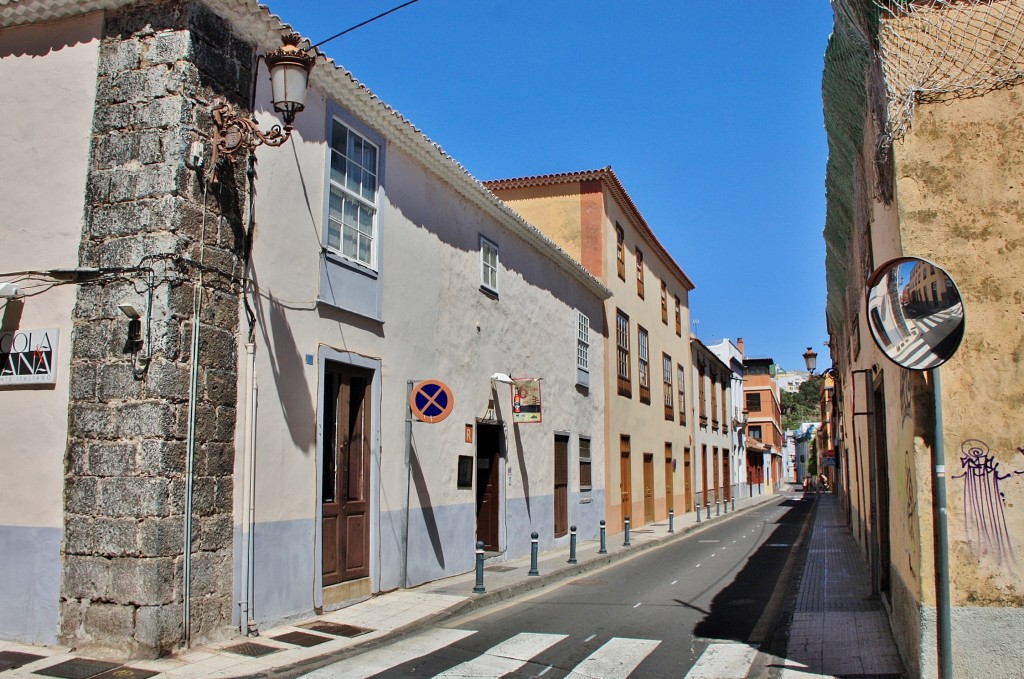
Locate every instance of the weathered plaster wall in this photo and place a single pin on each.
(40, 229)
(960, 194)
(436, 324)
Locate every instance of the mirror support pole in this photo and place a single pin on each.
(942, 598)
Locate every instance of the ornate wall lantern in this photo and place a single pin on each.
(289, 68)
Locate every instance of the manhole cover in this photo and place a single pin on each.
(78, 668)
(301, 639)
(10, 660)
(337, 629)
(252, 650)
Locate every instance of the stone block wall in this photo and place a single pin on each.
(158, 233)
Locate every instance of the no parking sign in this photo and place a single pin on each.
(431, 401)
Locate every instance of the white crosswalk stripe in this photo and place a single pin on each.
(615, 659)
(723, 661)
(402, 651)
(508, 656)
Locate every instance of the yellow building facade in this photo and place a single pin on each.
(649, 461)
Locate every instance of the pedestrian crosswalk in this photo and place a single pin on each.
(617, 658)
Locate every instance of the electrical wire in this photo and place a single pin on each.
(368, 21)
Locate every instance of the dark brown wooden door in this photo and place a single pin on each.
(687, 480)
(726, 476)
(346, 474)
(670, 502)
(706, 497)
(561, 485)
(716, 479)
(648, 488)
(625, 477)
(488, 488)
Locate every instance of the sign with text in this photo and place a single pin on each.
(526, 400)
(28, 356)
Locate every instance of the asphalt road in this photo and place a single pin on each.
(700, 606)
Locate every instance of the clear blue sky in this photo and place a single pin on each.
(708, 111)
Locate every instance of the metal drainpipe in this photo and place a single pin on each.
(247, 518)
(186, 574)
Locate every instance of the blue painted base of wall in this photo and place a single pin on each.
(442, 543)
(30, 590)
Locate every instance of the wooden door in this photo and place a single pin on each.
(726, 476)
(488, 485)
(705, 497)
(346, 474)
(670, 502)
(687, 480)
(648, 488)
(561, 485)
(716, 478)
(625, 477)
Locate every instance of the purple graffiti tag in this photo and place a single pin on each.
(984, 520)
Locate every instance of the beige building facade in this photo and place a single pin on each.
(923, 103)
(648, 401)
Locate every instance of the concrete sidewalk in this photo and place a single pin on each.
(296, 649)
(838, 629)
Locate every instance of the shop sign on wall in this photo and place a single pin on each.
(526, 400)
(28, 356)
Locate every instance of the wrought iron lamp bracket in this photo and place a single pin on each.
(234, 134)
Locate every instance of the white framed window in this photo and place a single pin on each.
(582, 341)
(352, 213)
(488, 265)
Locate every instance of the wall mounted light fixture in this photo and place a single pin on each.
(289, 74)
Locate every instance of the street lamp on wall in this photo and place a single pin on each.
(811, 360)
(289, 68)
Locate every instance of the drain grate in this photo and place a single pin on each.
(500, 569)
(77, 668)
(252, 650)
(301, 639)
(10, 660)
(337, 629)
(126, 673)
(644, 530)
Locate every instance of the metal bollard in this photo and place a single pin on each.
(604, 546)
(708, 506)
(625, 521)
(725, 506)
(718, 508)
(533, 554)
(698, 513)
(734, 503)
(572, 544)
(479, 587)
(671, 520)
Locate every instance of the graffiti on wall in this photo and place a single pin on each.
(984, 519)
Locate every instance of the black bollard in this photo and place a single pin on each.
(698, 513)
(479, 587)
(572, 544)
(708, 506)
(625, 522)
(718, 508)
(533, 554)
(604, 546)
(671, 521)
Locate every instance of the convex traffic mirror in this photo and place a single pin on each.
(915, 313)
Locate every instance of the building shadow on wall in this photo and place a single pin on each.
(426, 506)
